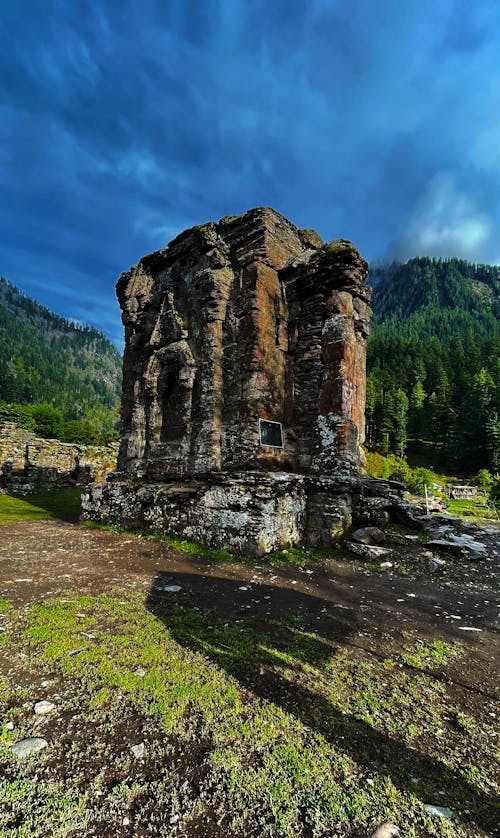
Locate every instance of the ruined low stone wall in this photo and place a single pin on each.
(249, 513)
(27, 460)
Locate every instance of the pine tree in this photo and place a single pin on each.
(493, 440)
(436, 337)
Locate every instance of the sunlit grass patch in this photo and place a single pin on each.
(422, 655)
(297, 736)
(471, 508)
(63, 503)
(29, 809)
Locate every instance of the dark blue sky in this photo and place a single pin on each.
(122, 123)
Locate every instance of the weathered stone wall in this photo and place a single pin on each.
(250, 514)
(234, 325)
(27, 460)
(245, 320)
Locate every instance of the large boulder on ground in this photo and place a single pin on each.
(368, 535)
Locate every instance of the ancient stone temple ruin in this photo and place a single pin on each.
(243, 388)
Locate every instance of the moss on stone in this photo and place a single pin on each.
(340, 245)
(208, 232)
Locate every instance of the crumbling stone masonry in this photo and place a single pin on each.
(243, 387)
(27, 461)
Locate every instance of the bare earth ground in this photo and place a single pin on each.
(373, 614)
(40, 559)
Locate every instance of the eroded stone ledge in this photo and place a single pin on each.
(248, 513)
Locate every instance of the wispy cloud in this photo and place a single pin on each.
(121, 126)
(447, 223)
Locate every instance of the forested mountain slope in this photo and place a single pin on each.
(433, 360)
(45, 358)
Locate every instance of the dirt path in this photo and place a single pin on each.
(40, 559)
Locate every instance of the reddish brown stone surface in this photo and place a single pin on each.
(248, 319)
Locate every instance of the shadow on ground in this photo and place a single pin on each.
(62, 503)
(247, 628)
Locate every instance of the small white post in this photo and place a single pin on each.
(426, 499)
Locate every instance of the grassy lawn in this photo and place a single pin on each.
(62, 503)
(249, 729)
(475, 508)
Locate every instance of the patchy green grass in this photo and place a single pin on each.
(193, 548)
(426, 655)
(42, 810)
(470, 509)
(465, 722)
(258, 730)
(297, 556)
(61, 503)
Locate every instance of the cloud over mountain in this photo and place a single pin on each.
(124, 124)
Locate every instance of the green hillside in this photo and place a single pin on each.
(434, 361)
(46, 359)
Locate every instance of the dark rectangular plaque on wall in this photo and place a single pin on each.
(270, 433)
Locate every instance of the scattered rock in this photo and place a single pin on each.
(368, 535)
(474, 557)
(367, 551)
(386, 830)
(25, 747)
(138, 750)
(446, 546)
(407, 514)
(9, 726)
(433, 566)
(438, 811)
(41, 708)
(174, 819)
(140, 672)
(172, 589)
(468, 542)
(386, 564)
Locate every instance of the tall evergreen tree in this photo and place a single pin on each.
(436, 338)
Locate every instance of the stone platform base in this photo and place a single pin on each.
(250, 514)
